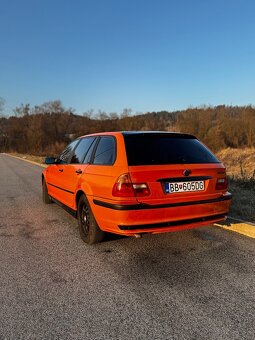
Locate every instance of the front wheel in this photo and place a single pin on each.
(45, 195)
(88, 227)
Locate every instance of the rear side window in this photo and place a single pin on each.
(105, 151)
(66, 154)
(90, 151)
(81, 150)
(158, 149)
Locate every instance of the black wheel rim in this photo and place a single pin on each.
(85, 219)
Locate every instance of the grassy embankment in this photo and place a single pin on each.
(240, 165)
(37, 159)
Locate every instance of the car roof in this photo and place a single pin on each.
(129, 133)
(163, 133)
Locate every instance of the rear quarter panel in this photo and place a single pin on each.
(98, 180)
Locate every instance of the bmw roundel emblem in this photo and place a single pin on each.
(186, 172)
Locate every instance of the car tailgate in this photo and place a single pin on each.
(157, 177)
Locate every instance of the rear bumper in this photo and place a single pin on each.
(130, 219)
(206, 219)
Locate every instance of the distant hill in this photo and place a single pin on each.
(49, 127)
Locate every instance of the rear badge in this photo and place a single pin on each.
(186, 172)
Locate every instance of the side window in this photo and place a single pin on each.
(66, 154)
(81, 150)
(105, 152)
(90, 151)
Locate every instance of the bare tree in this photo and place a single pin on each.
(89, 114)
(22, 110)
(126, 113)
(2, 103)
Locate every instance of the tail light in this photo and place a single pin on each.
(141, 189)
(125, 188)
(222, 183)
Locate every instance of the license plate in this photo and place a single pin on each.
(184, 186)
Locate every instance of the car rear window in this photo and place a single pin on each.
(158, 149)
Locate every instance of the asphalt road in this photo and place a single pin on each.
(197, 284)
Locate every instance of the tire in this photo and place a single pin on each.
(45, 195)
(88, 227)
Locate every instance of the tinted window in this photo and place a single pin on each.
(66, 154)
(90, 151)
(105, 152)
(156, 149)
(81, 150)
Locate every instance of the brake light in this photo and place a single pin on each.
(222, 184)
(125, 188)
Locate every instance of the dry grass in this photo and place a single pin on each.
(243, 203)
(240, 164)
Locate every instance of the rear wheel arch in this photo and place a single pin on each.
(78, 196)
(88, 227)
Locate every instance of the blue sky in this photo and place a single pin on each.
(148, 55)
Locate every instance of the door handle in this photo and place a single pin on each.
(79, 171)
(60, 170)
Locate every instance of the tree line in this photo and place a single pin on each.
(47, 128)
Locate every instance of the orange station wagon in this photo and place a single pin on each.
(131, 183)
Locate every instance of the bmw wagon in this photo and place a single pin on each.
(131, 183)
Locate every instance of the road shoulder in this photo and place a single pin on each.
(26, 160)
(238, 226)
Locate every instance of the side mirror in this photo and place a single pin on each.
(50, 160)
